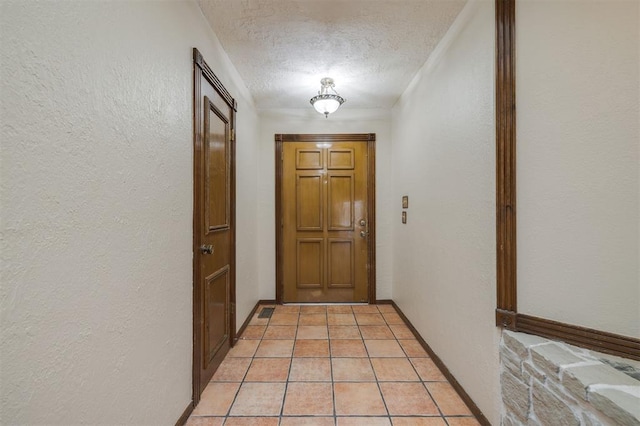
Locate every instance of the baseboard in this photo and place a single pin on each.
(445, 371)
(251, 314)
(185, 415)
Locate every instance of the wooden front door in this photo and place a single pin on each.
(325, 218)
(214, 229)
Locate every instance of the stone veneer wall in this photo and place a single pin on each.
(550, 383)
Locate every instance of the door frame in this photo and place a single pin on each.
(201, 69)
(370, 140)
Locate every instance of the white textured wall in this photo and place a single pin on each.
(578, 166)
(96, 196)
(444, 158)
(308, 121)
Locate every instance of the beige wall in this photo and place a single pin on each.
(308, 121)
(96, 196)
(444, 159)
(578, 83)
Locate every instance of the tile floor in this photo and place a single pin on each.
(339, 365)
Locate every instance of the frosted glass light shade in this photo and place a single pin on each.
(326, 106)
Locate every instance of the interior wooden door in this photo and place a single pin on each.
(214, 229)
(325, 221)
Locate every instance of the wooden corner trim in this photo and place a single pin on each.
(506, 155)
(506, 319)
(443, 368)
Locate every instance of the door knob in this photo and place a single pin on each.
(206, 249)
(363, 234)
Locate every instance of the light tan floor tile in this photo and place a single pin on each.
(401, 331)
(253, 332)
(392, 318)
(365, 309)
(308, 399)
(448, 399)
(205, 421)
(268, 370)
(427, 370)
(413, 348)
(244, 349)
(341, 319)
(216, 399)
(313, 309)
(255, 320)
(287, 309)
(344, 332)
(348, 348)
(252, 421)
(352, 370)
(387, 308)
(359, 399)
(462, 421)
(312, 319)
(307, 421)
(408, 399)
(339, 309)
(376, 332)
(275, 348)
(307, 332)
(310, 370)
(394, 370)
(280, 332)
(370, 319)
(383, 348)
(231, 370)
(284, 319)
(259, 399)
(363, 421)
(311, 348)
(418, 421)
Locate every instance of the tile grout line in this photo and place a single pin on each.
(384, 401)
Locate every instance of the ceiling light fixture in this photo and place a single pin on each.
(326, 102)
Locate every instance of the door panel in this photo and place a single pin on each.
(310, 263)
(341, 202)
(341, 263)
(324, 199)
(216, 179)
(309, 208)
(215, 314)
(213, 224)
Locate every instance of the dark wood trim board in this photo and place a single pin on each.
(507, 314)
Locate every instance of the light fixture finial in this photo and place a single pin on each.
(326, 102)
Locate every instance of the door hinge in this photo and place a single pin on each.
(233, 135)
(233, 309)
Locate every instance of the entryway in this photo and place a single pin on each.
(325, 218)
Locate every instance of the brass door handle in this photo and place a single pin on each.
(363, 234)
(206, 249)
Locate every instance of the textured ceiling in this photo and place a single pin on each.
(371, 48)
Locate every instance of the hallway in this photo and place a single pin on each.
(329, 365)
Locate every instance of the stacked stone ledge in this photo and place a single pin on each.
(551, 383)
